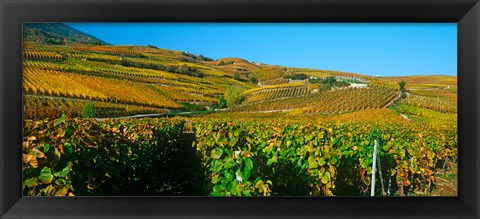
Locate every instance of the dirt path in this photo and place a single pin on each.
(425, 88)
(355, 85)
(399, 96)
(134, 116)
(186, 175)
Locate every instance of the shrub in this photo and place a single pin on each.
(89, 111)
(225, 63)
(193, 107)
(330, 80)
(253, 79)
(236, 76)
(204, 58)
(221, 103)
(233, 96)
(296, 77)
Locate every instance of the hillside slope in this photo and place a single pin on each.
(126, 80)
(120, 80)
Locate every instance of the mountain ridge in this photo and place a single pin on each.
(57, 34)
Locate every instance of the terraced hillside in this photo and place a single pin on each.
(336, 101)
(147, 79)
(127, 80)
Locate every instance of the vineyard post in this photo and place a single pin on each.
(237, 176)
(411, 177)
(374, 169)
(380, 174)
(389, 184)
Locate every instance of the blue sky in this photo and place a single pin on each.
(369, 48)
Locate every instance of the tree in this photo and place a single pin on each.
(204, 58)
(236, 76)
(89, 111)
(329, 82)
(54, 41)
(402, 85)
(233, 96)
(402, 88)
(253, 79)
(221, 103)
(296, 76)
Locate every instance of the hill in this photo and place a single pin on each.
(57, 33)
(126, 80)
(120, 80)
(427, 81)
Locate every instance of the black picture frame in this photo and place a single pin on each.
(465, 12)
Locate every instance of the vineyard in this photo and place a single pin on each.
(276, 92)
(118, 80)
(106, 49)
(336, 101)
(41, 107)
(65, 157)
(165, 80)
(41, 55)
(282, 157)
(275, 81)
(55, 83)
(178, 95)
(238, 157)
(434, 103)
(268, 73)
(277, 86)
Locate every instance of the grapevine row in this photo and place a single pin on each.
(434, 103)
(96, 57)
(43, 65)
(69, 157)
(37, 107)
(277, 156)
(240, 156)
(109, 50)
(177, 95)
(327, 102)
(56, 83)
(288, 85)
(275, 81)
(275, 93)
(41, 55)
(434, 116)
